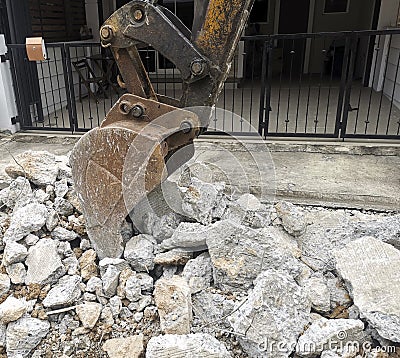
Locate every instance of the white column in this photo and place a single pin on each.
(8, 108)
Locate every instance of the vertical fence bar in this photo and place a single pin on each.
(263, 108)
(292, 55)
(300, 83)
(349, 82)
(59, 84)
(69, 79)
(342, 89)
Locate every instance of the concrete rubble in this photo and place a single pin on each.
(224, 276)
(192, 345)
(323, 332)
(372, 270)
(277, 299)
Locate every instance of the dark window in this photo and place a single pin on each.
(57, 20)
(259, 13)
(333, 6)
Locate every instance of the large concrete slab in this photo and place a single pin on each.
(355, 175)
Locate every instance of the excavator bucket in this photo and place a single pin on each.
(117, 164)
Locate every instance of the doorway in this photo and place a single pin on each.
(293, 19)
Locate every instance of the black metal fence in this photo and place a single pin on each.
(333, 85)
(342, 84)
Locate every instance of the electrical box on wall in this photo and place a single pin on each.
(36, 49)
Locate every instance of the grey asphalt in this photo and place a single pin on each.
(351, 175)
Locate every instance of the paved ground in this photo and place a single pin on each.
(336, 174)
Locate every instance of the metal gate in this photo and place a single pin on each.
(325, 85)
(331, 85)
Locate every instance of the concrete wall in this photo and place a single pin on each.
(387, 19)
(388, 13)
(391, 74)
(8, 108)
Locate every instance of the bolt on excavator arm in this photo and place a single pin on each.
(117, 164)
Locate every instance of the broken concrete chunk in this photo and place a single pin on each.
(26, 220)
(372, 270)
(72, 198)
(17, 273)
(249, 211)
(61, 188)
(323, 332)
(94, 285)
(190, 236)
(110, 281)
(326, 233)
(64, 293)
(3, 328)
(137, 284)
(275, 312)
(64, 249)
(18, 194)
(337, 291)
(63, 207)
(129, 347)
(71, 265)
(41, 196)
(210, 307)
(203, 202)
(24, 335)
(12, 309)
(193, 345)
(123, 277)
(239, 254)
(318, 291)
(173, 300)
(39, 167)
(198, 273)
(293, 218)
(52, 220)
(139, 252)
(173, 257)
(64, 168)
(89, 313)
(249, 202)
(119, 264)
(62, 234)
(44, 263)
(31, 240)
(386, 229)
(87, 264)
(387, 325)
(115, 305)
(13, 253)
(160, 227)
(5, 284)
(199, 170)
(132, 290)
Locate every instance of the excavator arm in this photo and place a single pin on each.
(129, 152)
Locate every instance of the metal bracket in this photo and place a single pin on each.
(142, 22)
